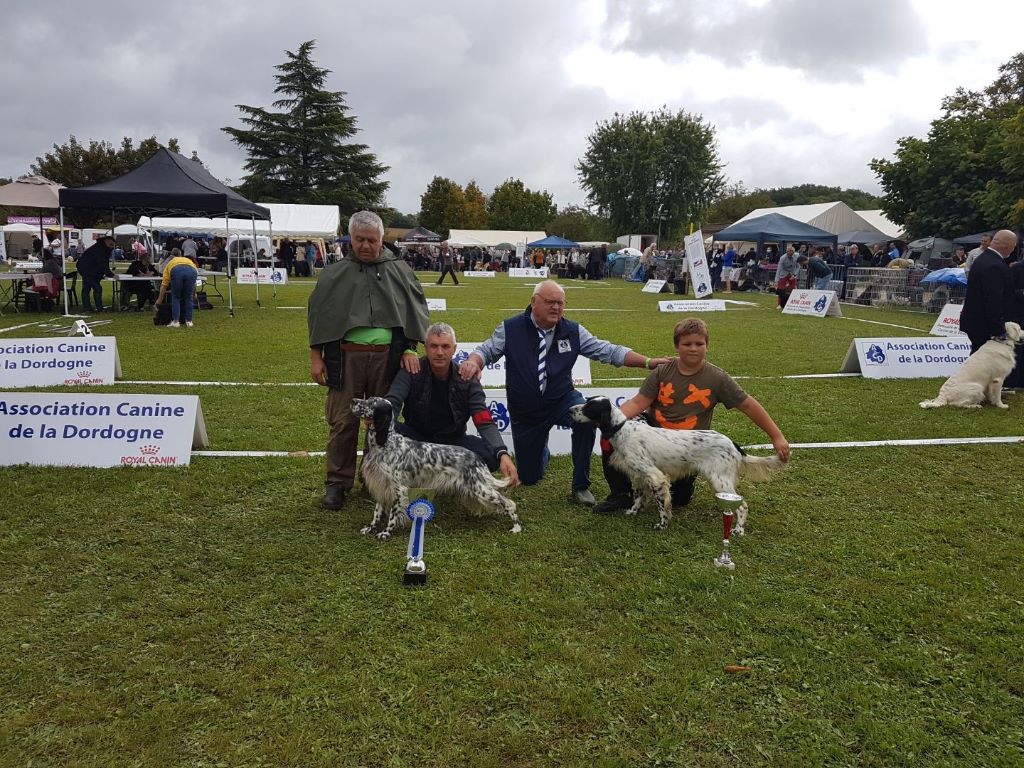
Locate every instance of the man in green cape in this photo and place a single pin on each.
(365, 317)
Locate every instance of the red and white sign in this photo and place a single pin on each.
(948, 321)
(813, 303)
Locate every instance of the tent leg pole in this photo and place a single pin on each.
(63, 261)
(256, 258)
(227, 250)
(270, 227)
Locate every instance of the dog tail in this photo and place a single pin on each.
(758, 468)
(500, 482)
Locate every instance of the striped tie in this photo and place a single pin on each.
(542, 359)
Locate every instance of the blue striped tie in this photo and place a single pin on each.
(542, 359)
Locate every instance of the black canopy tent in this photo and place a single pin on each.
(419, 235)
(974, 240)
(774, 228)
(167, 184)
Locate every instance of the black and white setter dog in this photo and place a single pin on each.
(652, 458)
(394, 464)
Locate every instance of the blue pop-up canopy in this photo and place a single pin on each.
(553, 241)
(775, 228)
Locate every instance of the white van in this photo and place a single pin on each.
(242, 252)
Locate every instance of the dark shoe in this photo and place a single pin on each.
(614, 505)
(583, 496)
(334, 497)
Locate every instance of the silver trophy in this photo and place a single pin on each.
(729, 502)
(419, 512)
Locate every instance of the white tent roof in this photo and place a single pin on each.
(882, 223)
(492, 237)
(289, 220)
(834, 217)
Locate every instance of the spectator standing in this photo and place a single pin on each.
(310, 258)
(728, 263)
(986, 242)
(93, 266)
(988, 303)
(180, 276)
(785, 276)
(1016, 379)
(959, 256)
(190, 249)
(286, 252)
(447, 265)
(820, 272)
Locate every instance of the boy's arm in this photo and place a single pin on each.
(757, 414)
(636, 405)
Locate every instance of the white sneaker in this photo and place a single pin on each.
(174, 324)
(188, 323)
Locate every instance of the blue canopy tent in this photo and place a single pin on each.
(553, 241)
(774, 228)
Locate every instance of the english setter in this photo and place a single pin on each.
(981, 376)
(652, 458)
(394, 464)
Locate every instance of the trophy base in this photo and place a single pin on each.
(415, 575)
(725, 562)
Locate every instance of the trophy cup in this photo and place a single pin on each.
(419, 512)
(729, 502)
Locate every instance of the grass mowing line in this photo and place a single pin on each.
(23, 325)
(879, 322)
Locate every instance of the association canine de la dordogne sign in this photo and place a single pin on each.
(69, 362)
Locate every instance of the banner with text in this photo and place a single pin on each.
(541, 273)
(77, 430)
(560, 438)
(437, 305)
(475, 273)
(906, 358)
(494, 374)
(691, 305)
(813, 303)
(700, 272)
(70, 362)
(948, 321)
(653, 286)
(263, 275)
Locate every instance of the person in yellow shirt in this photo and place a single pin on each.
(180, 275)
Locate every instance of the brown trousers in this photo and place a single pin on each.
(364, 374)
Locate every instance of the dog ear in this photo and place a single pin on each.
(383, 415)
(1013, 332)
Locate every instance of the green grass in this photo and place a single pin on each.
(215, 615)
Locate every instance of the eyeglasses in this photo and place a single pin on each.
(553, 302)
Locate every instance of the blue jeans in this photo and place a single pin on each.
(821, 283)
(530, 441)
(183, 285)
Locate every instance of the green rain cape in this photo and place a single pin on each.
(351, 294)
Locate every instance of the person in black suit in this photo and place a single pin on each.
(989, 301)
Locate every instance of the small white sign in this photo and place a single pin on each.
(263, 275)
(541, 272)
(481, 273)
(700, 272)
(653, 286)
(437, 305)
(77, 430)
(948, 321)
(688, 305)
(813, 303)
(68, 362)
(907, 358)
(560, 438)
(494, 374)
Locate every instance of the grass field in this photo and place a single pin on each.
(215, 616)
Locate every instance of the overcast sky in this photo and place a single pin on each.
(798, 90)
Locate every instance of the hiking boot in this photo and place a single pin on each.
(334, 497)
(614, 505)
(583, 496)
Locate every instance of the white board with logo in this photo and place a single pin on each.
(80, 430)
(494, 374)
(560, 438)
(541, 272)
(437, 305)
(813, 304)
(948, 321)
(263, 276)
(653, 286)
(480, 273)
(69, 362)
(907, 358)
(700, 272)
(690, 305)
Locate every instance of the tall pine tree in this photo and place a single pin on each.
(299, 153)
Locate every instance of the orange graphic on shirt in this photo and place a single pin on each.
(665, 393)
(688, 423)
(702, 396)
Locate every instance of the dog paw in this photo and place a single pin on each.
(516, 528)
(383, 536)
(659, 526)
(739, 530)
(366, 529)
(1004, 406)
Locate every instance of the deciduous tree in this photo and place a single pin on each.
(513, 206)
(474, 209)
(442, 206)
(577, 223)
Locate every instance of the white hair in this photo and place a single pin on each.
(539, 286)
(442, 329)
(365, 220)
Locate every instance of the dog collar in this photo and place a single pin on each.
(614, 430)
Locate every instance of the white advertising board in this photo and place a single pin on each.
(542, 272)
(907, 357)
(948, 321)
(653, 286)
(813, 303)
(263, 275)
(689, 305)
(437, 305)
(68, 362)
(560, 438)
(79, 430)
(494, 374)
(481, 273)
(700, 272)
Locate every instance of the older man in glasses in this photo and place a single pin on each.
(540, 347)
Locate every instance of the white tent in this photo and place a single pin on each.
(492, 237)
(286, 220)
(834, 217)
(878, 220)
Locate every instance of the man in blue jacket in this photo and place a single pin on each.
(540, 347)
